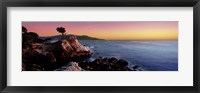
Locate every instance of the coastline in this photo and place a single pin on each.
(69, 53)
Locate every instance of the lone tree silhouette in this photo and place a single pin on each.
(61, 30)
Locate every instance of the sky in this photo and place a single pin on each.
(158, 30)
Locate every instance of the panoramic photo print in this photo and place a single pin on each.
(100, 46)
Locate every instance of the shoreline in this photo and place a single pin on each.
(99, 64)
(70, 53)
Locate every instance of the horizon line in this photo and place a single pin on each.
(119, 39)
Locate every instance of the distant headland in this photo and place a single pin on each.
(58, 37)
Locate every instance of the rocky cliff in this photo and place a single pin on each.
(67, 55)
(41, 56)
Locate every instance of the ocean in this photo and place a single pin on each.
(148, 55)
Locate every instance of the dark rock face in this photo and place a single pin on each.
(44, 60)
(105, 64)
(31, 67)
(48, 57)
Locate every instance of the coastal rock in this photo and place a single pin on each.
(54, 55)
(136, 68)
(44, 59)
(76, 45)
(105, 64)
(70, 50)
(31, 67)
(72, 66)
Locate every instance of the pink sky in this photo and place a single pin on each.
(109, 30)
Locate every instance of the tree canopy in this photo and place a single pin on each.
(61, 30)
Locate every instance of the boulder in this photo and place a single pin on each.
(72, 66)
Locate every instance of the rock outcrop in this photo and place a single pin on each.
(72, 66)
(70, 49)
(54, 55)
(67, 55)
(105, 64)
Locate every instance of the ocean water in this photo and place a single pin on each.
(148, 55)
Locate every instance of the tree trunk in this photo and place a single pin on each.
(62, 36)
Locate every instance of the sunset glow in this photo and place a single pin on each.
(109, 30)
